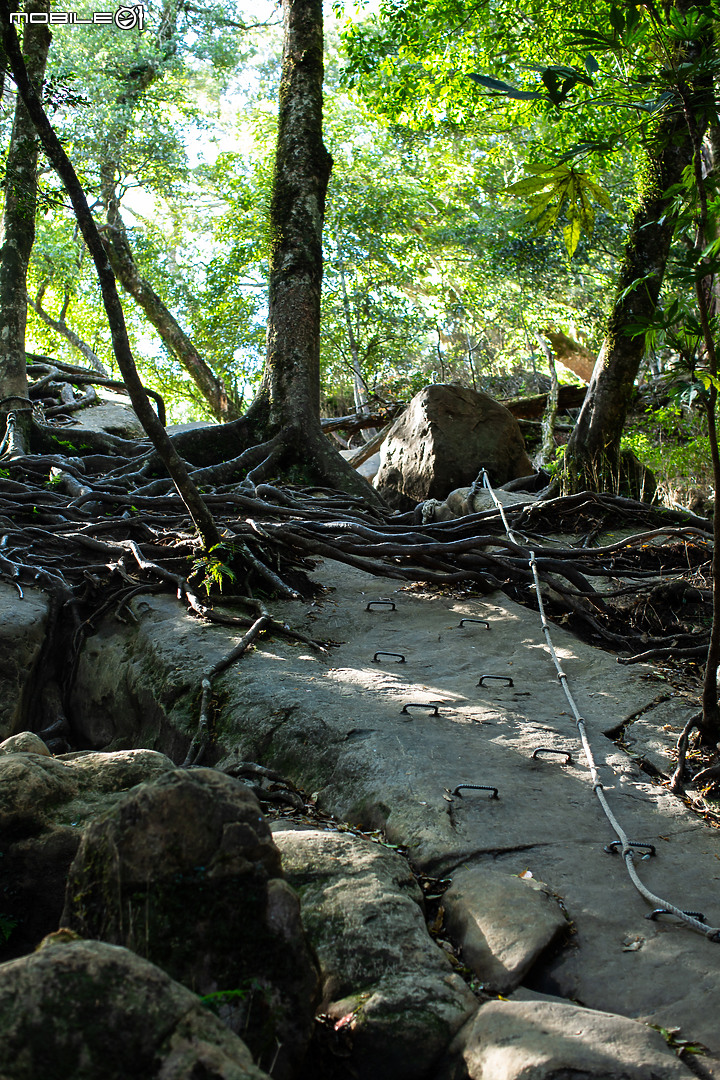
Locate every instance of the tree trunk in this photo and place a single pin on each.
(592, 458)
(548, 449)
(59, 160)
(360, 391)
(290, 393)
(18, 239)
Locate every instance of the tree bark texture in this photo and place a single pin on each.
(302, 171)
(593, 453)
(19, 231)
(289, 397)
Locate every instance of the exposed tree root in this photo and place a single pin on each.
(96, 529)
(678, 777)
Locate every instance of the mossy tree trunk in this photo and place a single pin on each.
(19, 236)
(289, 398)
(592, 458)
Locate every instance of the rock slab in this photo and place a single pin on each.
(502, 922)
(540, 1040)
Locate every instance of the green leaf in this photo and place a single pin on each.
(617, 19)
(708, 380)
(530, 185)
(571, 234)
(505, 88)
(540, 205)
(592, 39)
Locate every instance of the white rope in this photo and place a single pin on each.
(628, 854)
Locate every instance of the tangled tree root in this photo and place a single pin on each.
(102, 525)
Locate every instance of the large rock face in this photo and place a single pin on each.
(442, 440)
(184, 872)
(82, 1010)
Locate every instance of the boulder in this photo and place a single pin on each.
(44, 804)
(464, 501)
(184, 872)
(30, 785)
(503, 924)
(541, 1040)
(23, 625)
(442, 440)
(25, 742)
(82, 1010)
(114, 418)
(386, 985)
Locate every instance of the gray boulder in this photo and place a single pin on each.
(502, 923)
(25, 742)
(464, 501)
(30, 786)
(442, 440)
(185, 873)
(540, 1040)
(85, 1010)
(387, 986)
(113, 417)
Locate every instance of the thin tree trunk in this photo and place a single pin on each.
(706, 293)
(592, 457)
(18, 238)
(547, 451)
(134, 84)
(61, 327)
(290, 391)
(360, 393)
(59, 160)
(212, 388)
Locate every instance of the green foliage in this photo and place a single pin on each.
(211, 571)
(679, 1045)
(7, 925)
(218, 998)
(552, 190)
(672, 442)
